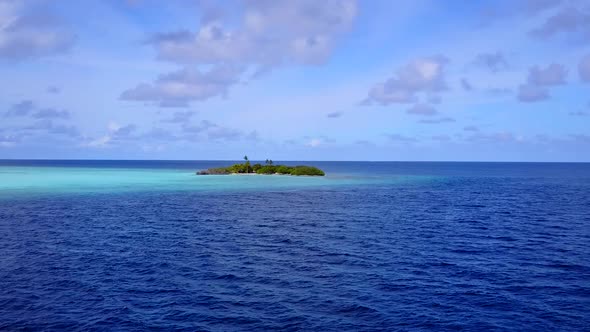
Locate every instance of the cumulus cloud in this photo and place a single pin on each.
(41, 123)
(262, 35)
(317, 141)
(27, 107)
(124, 131)
(179, 88)
(314, 142)
(494, 62)
(567, 20)
(554, 74)
(49, 127)
(266, 33)
(115, 132)
(584, 68)
(422, 109)
(30, 35)
(538, 81)
(22, 108)
(8, 141)
(551, 18)
(423, 75)
(526, 8)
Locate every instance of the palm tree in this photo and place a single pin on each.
(248, 168)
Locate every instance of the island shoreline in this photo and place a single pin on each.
(258, 169)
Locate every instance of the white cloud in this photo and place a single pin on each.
(181, 87)
(264, 34)
(553, 74)
(115, 132)
(314, 142)
(22, 108)
(495, 62)
(567, 20)
(29, 35)
(422, 75)
(99, 142)
(267, 33)
(539, 80)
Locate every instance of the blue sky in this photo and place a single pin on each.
(297, 80)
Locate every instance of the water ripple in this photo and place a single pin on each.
(454, 254)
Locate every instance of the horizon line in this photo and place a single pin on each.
(367, 161)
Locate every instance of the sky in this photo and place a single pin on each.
(379, 80)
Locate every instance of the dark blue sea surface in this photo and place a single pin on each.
(454, 246)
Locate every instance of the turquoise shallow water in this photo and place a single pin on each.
(22, 180)
(18, 181)
(54, 177)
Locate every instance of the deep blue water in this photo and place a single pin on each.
(454, 246)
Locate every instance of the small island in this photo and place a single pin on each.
(268, 168)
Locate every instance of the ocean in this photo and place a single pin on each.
(373, 246)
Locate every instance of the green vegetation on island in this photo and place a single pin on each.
(268, 168)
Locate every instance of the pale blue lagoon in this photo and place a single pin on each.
(39, 177)
(80, 180)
